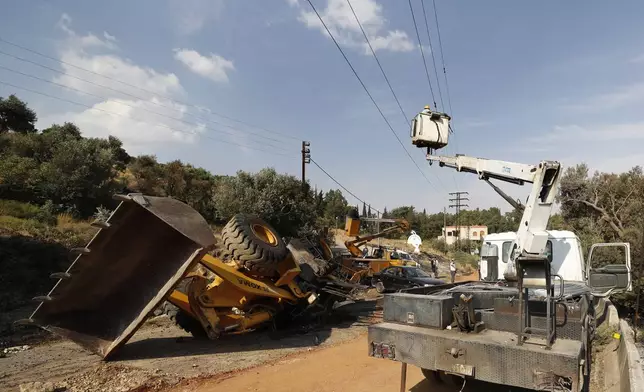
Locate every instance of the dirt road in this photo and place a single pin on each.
(345, 367)
(160, 355)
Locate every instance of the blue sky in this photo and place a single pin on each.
(528, 81)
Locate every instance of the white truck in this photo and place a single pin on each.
(563, 251)
(531, 322)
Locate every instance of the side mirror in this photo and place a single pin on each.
(609, 268)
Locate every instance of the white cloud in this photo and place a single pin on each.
(213, 67)
(638, 59)
(126, 112)
(620, 97)
(133, 123)
(192, 15)
(108, 36)
(609, 133)
(75, 50)
(340, 20)
(83, 41)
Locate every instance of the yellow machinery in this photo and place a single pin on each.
(149, 246)
(359, 268)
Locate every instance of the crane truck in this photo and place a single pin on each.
(531, 322)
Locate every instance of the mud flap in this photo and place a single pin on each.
(125, 272)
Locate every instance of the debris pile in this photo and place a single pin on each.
(15, 349)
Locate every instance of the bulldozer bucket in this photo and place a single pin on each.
(128, 268)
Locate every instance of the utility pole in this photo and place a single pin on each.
(306, 159)
(445, 225)
(458, 200)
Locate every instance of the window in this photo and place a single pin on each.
(505, 251)
(482, 233)
(449, 233)
(474, 234)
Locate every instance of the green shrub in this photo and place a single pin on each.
(22, 210)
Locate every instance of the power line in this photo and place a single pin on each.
(373, 52)
(340, 185)
(422, 53)
(146, 90)
(440, 45)
(128, 105)
(431, 49)
(367, 91)
(136, 119)
(133, 96)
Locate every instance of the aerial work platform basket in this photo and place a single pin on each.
(430, 129)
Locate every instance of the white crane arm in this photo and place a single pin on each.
(516, 173)
(545, 178)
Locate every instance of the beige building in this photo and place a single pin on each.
(474, 233)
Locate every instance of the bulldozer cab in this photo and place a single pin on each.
(128, 268)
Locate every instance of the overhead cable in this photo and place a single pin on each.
(337, 45)
(373, 52)
(341, 186)
(134, 96)
(200, 108)
(422, 54)
(440, 45)
(138, 120)
(431, 50)
(132, 106)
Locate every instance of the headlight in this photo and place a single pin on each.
(426, 285)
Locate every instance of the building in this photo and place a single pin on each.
(473, 233)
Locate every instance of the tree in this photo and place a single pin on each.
(364, 209)
(336, 207)
(277, 198)
(614, 201)
(60, 167)
(16, 116)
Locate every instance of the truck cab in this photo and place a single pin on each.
(564, 252)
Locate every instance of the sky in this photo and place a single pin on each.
(237, 85)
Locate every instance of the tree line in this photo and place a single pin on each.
(60, 170)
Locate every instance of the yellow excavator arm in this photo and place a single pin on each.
(354, 245)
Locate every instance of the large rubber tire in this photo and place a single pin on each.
(182, 319)
(431, 375)
(254, 245)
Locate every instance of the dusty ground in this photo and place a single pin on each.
(346, 367)
(161, 357)
(160, 354)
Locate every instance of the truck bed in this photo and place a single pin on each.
(491, 356)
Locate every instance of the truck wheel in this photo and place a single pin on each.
(254, 245)
(182, 319)
(432, 375)
(380, 287)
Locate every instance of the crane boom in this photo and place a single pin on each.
(353, 245)
(545, 178)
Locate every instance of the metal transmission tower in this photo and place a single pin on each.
(458, 203)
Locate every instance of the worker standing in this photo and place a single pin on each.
(452, 269)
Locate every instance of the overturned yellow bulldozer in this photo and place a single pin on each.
(151, 245)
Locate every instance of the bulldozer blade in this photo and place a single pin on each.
(134, 262)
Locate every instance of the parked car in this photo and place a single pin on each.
(395, 278)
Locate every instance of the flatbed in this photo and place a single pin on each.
(491, 356)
